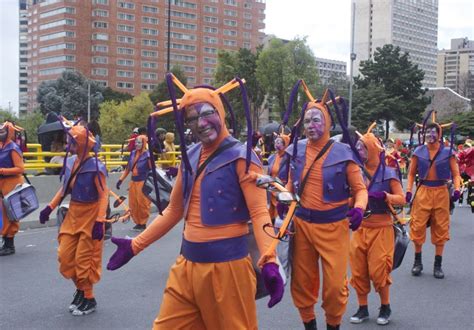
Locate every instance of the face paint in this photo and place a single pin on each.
(204, 122)
(432, 135)
(3, 133)
(314, 124)
(138, 144)
(279, 144)
(362, 150)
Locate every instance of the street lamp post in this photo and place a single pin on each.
(169, 36)
(88, 102)
(353, 57)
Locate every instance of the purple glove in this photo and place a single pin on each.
(356, 214)
(118, 184)
(123, 254)
(380, 195)
(172, 172)
(44, 214)
(98, 230)
(456, 196)
(282, 210)
(273, 283)
(408, 197)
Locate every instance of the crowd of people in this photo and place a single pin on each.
(347, 195)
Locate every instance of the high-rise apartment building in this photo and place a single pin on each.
(456, 67)
(23, 61)
(331, 70)
(123, 44)
(410, 24)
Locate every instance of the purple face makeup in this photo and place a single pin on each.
(362, 150)
(432, 135)
(279, 144)
(204, 122)
(314, 124)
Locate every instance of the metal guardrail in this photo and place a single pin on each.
(111, 156)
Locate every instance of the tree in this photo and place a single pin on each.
(117, 120)
(110, 94)
(160, 93)
(279, 67)
(68, 95)
(6, 115)
(242, 64)
(400, 80)
(465, 123)
(30, 122)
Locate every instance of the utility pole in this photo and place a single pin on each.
(353, 57)
(88, 102)
(169, 36)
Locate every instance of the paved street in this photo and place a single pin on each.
(34, 295)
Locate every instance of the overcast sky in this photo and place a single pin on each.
(326, 23)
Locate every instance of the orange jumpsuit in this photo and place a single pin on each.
(372, 245)
(7, 184)
(431, 203)
(139, 204)
(328, 242)
(274, 173)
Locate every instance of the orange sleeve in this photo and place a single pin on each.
(124, 174)
(455, 173)
(412, 173)
(162, 223)
(56, 199)
(256, 200)
(397, 197)
(356, 182)
(18, 165)
(103, 196)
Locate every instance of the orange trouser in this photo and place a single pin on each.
(330, 242)
(79, 256)
(139, 204)
(209, 296)
(10, 228)
(371, 258)
(430, 203)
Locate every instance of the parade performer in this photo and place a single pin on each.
(435, 164)
(139, 165)
(11, 174)
(212, 284)
(278, 167)
(324, 173)
(372, 246)
(82, 231)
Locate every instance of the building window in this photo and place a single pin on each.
(102, 83)
(232, 33)
(149, 76)
(208, 70)
(57, 47)
(100, 25)
(246, 35)
(64, 10)
(176, 13)
(100, 13)
(183, 36)
(126, 40)
(54, 59)
(247, 16)
(152, 32)
(49, 25)
(247, 26)
(46, 72)
(181, 25)
(184, 4)
(125, 16)
(149, 20)
(148, 86)
(150, 42)
(149, 53)
(150, 9)
(123, 84)
(125, 62)
(208, 81)
(188, 68)
(210, 60)
(100, 48)
(209, 9)
(246, 45)
(211, 19)
(190, 48)
(125, 51)
(228, 12)
(230, 22)
(210, 29)
(100, 60)
(124, 74)
(99, 72)
(210, 50)
(231, 2)
(232, 43)
(100, 36)
(182, 57)
(247, 5)
(125, 28)
(126, 5)
(210, 40)
(149, 65)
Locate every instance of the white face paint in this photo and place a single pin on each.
(432, 135)
(204, 122)
(138, 144)
(314, 124)
(279, 144)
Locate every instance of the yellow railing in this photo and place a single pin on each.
(111, 156)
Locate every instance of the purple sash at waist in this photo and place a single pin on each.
(138, 178)
(215, 251)
(433, 183)
(329, 216)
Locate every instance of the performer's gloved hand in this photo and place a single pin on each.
(122, 255)
(380, 195)
(456, 196)
(44, 214)
(282, 210)
(172, 172)
(273, 283)
(408, 196)
(356, 214)
(118, 184)
(98, 230)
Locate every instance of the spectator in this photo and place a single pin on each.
(131, 143)
(56, 147)
(169, 147)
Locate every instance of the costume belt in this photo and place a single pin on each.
(316, 216)
(137, 178)
(215, 251)
(433, 183)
